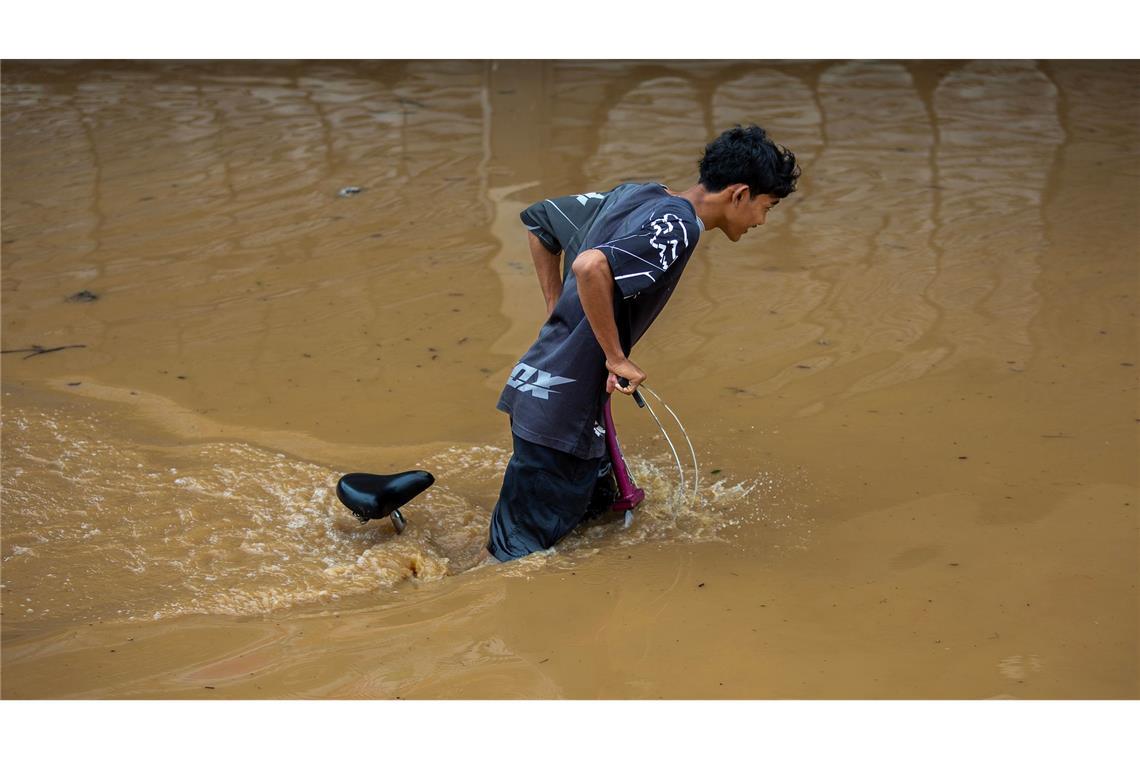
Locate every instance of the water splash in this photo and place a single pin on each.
(100, 526)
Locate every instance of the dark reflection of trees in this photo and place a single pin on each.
(910, 263)
(875, 211)
(211, 186)
(914, 244)
(998, 134)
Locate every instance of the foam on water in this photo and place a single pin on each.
(99, 527)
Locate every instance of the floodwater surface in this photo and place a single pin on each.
(913, 394)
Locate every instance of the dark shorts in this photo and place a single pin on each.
(545, 494)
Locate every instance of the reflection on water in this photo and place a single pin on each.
(782, 103)
(907, 270)
(919, 217)
(653, 134)
(999, 130)
(876, 178)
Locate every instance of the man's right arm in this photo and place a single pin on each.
(549, 268)
(554, 224)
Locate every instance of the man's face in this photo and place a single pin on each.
(745, 212)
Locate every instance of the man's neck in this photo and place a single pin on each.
(707, 205)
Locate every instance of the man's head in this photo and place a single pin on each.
(750, 174)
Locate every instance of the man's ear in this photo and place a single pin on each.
(740, 193)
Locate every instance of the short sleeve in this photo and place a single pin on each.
(640, 261)
(555, 221)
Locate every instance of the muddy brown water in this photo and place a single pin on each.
(913, 393)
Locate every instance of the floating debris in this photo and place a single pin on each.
(82, 296)
(351, 190)
(37, 350)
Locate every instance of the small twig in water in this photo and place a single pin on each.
(37, 350)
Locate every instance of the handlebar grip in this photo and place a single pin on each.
(624, 383)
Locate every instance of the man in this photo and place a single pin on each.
(625, 251)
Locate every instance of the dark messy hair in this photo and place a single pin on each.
(747, 155)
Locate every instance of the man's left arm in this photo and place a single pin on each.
(596, 291)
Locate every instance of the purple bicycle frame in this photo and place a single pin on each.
(629, 495)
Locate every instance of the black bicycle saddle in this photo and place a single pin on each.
(371, 497)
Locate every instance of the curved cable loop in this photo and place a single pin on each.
(692, 451)
(672, 448)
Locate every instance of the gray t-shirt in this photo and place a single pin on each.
(555, 393)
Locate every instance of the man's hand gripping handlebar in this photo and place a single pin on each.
(625, 377)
